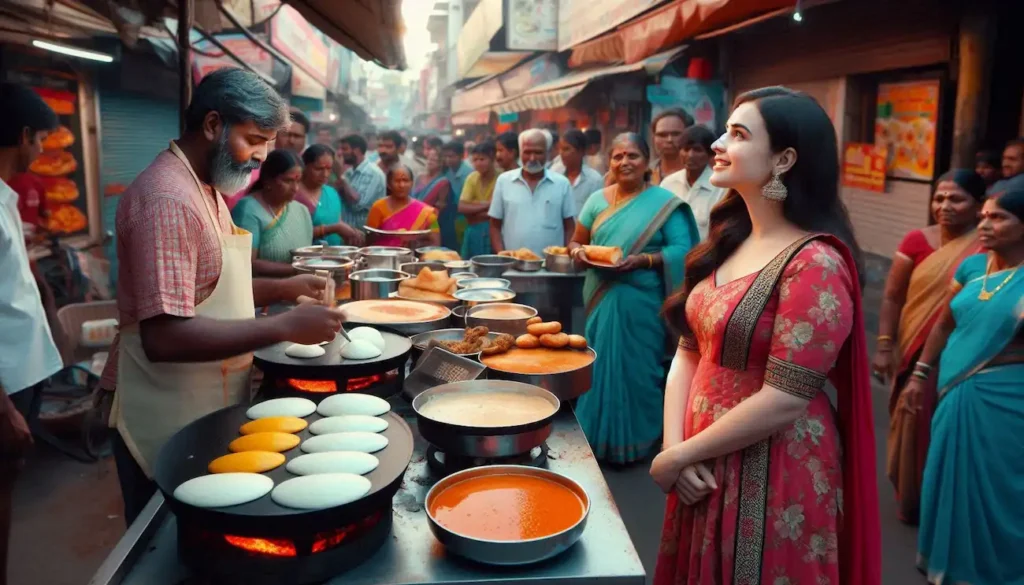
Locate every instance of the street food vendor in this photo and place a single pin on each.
(186, 295)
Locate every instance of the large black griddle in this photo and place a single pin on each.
(273, 362)
(187, 454)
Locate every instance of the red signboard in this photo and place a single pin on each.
(864, 166)
(300, 42)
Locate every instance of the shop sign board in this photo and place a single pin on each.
(531, 74)
(300, 42)
(905, 124)
(864, 166)
(531, 25)
(304, 85)
(582, 20)
(704, 100)
(240, 46)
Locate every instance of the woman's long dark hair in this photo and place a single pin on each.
(793, 120)
(278, 163)
(968, 180)
(315, 151)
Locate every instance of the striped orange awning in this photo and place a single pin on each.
(600, 51)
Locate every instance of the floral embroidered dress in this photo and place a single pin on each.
(778, 515)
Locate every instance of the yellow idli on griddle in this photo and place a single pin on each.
(246, 462)
(276, 442)
(274, 424)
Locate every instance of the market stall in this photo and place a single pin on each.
(383, 512)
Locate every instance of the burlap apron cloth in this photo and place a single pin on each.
(155, 400)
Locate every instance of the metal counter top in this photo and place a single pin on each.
(412, 555)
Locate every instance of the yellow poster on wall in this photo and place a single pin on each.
(905, 124)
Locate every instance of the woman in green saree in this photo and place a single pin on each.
(971, 517)
(622, 413)
(278, 222)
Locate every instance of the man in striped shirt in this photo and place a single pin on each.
(363, 184)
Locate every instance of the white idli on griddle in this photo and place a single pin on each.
(368, 334)
(348, 423)
(360, 349)
(316, 492)
(333, 462)
(223, 489)
(351, 441)
(341, 404)
(304, 352)
(297, 407)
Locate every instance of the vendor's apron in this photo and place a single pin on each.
(153, 401)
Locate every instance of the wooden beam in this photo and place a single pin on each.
(974, 78)
(186, 14)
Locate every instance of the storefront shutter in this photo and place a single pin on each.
(133, 130)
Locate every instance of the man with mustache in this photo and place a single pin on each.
(186, 295)
(532, 207)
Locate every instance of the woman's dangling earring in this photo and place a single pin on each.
(775, 190)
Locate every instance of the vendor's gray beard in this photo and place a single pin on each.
(534, 167)
(226, 175)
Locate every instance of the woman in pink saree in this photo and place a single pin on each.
(768, 484)
(398, 212)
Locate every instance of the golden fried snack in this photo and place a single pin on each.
(440, 256)
(557, 250)
(549, 328)
(577, 342)
(417, 294)
(430, 280)
(605, 254)
(526, 254)
(554, 341)
(501, 344)
(533, 320)
(461, 347)
(527, 341)
(476, 333)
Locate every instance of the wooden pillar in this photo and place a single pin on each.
(185, 18)
(974, 78)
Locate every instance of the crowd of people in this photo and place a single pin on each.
(737, 299)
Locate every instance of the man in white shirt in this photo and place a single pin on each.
(532, 207)
(28, 354)
(693, 183)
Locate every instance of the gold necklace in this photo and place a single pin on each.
(986, 295)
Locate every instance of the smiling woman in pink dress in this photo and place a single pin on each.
(766, 484)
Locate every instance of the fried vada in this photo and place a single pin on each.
(555, 340)
(549, 328)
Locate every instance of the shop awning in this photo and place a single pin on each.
(472, 118)
(372, 29)
(670, 25)
(556, 94)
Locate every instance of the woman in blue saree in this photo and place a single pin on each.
(972, 524)
(622, 413)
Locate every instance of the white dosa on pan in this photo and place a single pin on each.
(223, 489)
(339, 404)
(360, 349)
(354, 441)
(333, 462)
(316, 492)
(298, 407)
(368, 334)
(348, 423)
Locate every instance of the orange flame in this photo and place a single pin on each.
(262, 546)
(330, 386)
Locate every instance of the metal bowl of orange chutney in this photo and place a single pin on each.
(507, 514)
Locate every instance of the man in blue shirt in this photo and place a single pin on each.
(1013, 168)
(532, 207)
(456, 170)
(363, 183)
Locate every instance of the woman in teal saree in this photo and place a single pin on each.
(622, 413)
(278, 222)
(972, 524)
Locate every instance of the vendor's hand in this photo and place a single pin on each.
(665, 469)
(913, 394)
(695, 483)
(882, 365)
(310, 324)
(631, 263)
(579, 259)
(308, 285)
(15, 436)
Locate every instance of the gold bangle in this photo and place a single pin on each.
(881, 338)
(650, 260)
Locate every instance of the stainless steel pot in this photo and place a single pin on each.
(314, 251)
(414, 268)
(513, 325)
(340, 268)
(476, 441)
(492, 265)
(375, 283)
(384, 257)
(459, 316)
(564, 385)
(559, 264)
(351, 252)
(479, 282)
(456, 266)
(528, 265)
(472, 297)
(503, 552)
